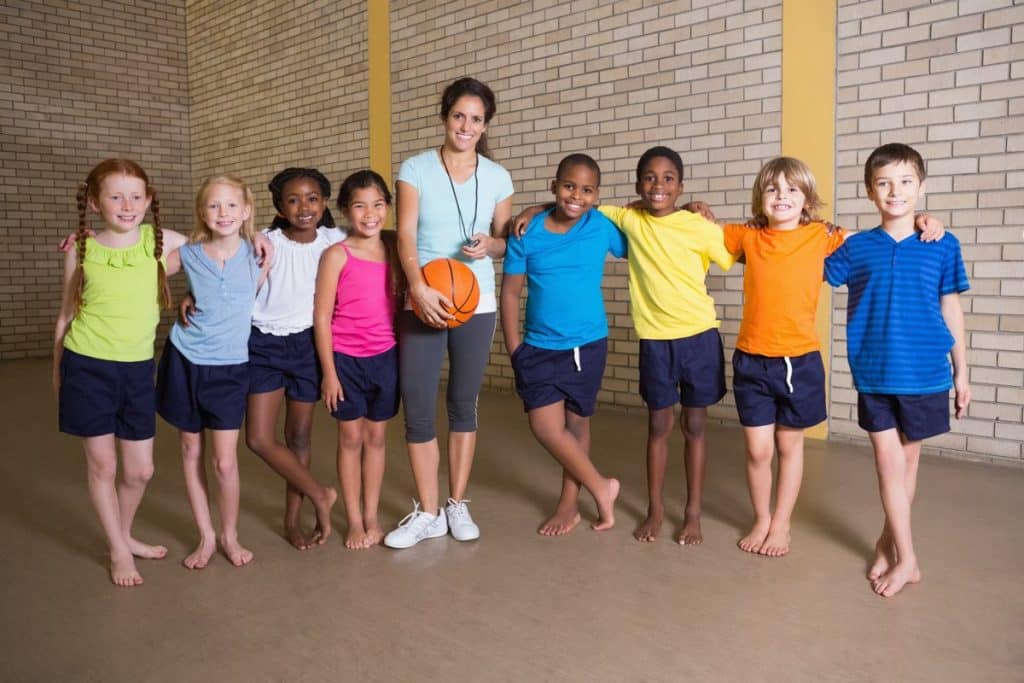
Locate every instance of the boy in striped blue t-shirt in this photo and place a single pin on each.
(904, 320)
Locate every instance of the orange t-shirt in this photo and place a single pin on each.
(781, 283)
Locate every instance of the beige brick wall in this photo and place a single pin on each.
(71, 96)
(945, 77)
(274, 85)
(609, 79)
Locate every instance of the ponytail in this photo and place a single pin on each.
(163, 290)
(78, 279)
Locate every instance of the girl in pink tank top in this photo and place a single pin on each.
(359, 283)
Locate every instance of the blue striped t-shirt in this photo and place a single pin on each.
(897, 341)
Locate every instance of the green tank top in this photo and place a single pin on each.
(120, 309)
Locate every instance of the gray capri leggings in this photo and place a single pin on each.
(421, 354)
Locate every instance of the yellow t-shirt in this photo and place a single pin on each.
(669, 258)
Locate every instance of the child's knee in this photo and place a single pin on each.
(298, 439)
(659, 423)
(139, 475)
(226, 466)
(692, 426)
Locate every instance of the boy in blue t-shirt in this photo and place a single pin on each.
(904, 320)
(560, 363)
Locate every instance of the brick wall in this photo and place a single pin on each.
(946, 77)
(70, 97)
(610, 79)
(274, 85)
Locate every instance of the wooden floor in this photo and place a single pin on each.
(512, 606)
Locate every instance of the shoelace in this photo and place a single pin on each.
(411, 518)
(459, 507)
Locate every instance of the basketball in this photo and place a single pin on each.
(456, 281)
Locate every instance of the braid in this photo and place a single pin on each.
(163, 290)
(78, 279)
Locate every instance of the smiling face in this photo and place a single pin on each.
(659, 186)
(465, 123)
(367, 211)
(895, 189)
(121, 202)
(224, 210)
(575, 192)
(782, 203)
(302, 204)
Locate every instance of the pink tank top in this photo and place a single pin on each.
(364, 309)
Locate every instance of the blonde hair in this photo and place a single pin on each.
(90, 191)
(201, 232)
(797, 173)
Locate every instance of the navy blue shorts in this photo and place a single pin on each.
(690, 371)
(916, 416)
(786, 391)
(289, 361)
(99, 397)
(196, 397)
(544, 376)
(370, 385)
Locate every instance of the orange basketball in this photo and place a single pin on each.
(456, 281)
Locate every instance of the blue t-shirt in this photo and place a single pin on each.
(439, 234)
(897, 340)
(218, 332)
(564, 304)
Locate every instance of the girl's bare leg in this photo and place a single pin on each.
(350, 451)
(194, 465)
(136, 471)
(101, 462)
(225, 466)
(461, 448)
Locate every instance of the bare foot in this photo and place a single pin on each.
(691, 534)
(123, 572)
(560, 523)
(146, 551)
(235, 552)
(893, 581)
(200, 557)
(355, 539)
(752, 542)
(374, 534)
(648, 531)
(885, 558)
(776, 543)
(323, 516)
(296, 537)
(606, 510)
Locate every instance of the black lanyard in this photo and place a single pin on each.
(466, 234)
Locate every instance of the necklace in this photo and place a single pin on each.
(466, 233)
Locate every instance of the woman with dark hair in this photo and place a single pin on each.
(453, 202)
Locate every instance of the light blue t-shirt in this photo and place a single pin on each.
(564, 303)
(438, 234)
(218, 332)
(896, 338)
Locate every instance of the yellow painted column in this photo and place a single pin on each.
(808, 121)
(378, 29)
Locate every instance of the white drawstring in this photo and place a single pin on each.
(789, 374)
(576, 358)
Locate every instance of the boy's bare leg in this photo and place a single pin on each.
(548, 425)
(374, 458)
(760, 448)
(290, 461)
(229, 491)
(659, 428)
(136, 471)
(891, 464)
(790, 444)
(567, 512)
(193, 464)
(885, 550)
(350, 474)
(691, 422)
(101, 462)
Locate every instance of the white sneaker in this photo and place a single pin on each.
(417, 526)
(460, 522)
